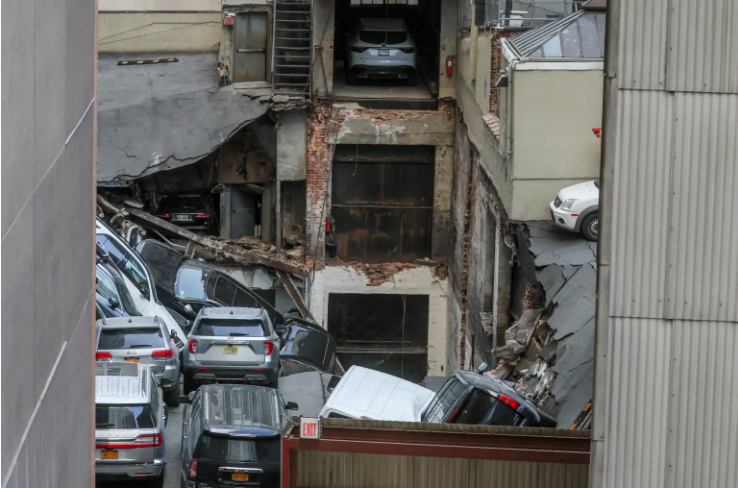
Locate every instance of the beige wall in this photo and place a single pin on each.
(159, 31)
(159, 5)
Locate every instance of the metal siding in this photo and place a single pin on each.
(641, 204)
(703, 438)
(703, 241)
(642, 44)
(702, 46)
(638, 364)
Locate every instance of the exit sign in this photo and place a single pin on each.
(309, 428)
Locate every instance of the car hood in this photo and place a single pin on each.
(580, 191)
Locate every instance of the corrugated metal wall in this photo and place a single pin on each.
(339, 470)
(666, 404)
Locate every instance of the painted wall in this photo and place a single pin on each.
(413, 281)
(48, 134)
(167, 30)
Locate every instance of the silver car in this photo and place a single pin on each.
(129, 423)
(143, 340)
(231, 345)
(381, 49)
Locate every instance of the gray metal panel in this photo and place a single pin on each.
(703, 46)
(643, 44)
(703, 408)
(703, 243)
(642, 176)
(250, 46)
(639, 362)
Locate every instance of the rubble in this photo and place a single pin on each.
(380, 273)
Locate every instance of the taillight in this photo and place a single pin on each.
(146, 440)
(268, 347)
(102, 356)
(164, 216)
(508, 401)
(453, 415)
(407, 50)
(192, 346)
(192, 470)
(162, 354)
(202, 216)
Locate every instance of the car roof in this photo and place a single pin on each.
(244, 410)
(227, 313)
(382, 24)
(122, 383)
(132, 322)
(363, 392)
(491, 383)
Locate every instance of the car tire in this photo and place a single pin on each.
(351, 78)
(172, 396)
(412, 79)
(590, 226)
(189, 385)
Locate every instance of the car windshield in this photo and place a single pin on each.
(190, 282)
(140, 337)
(230, 328)
(123, 417)
(380, 37)
(105, 286)
(128, 266)
(239, 450)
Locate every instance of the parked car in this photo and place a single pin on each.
(143, 340)
(193, 212)
(306, 347)
(366, 394)
(137, 277)
(129, 423)
(576, 208)
(381, 48)
(231, 436)
(111, 293)
(232, 345)
(475, 398)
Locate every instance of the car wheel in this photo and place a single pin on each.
(412, 79)
(189, 385)
(172, 396)
(590, 226)
(351, 78)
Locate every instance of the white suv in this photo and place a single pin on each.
(576, 208)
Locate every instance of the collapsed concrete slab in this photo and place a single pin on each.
(159, 116)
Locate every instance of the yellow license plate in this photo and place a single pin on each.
(239, 477)
(109, 455)
(230, 350)
(132, 360)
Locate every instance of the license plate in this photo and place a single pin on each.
(109, 455)
(230, 350)
(384, 52)
(182, 218)
(239, 477)
(131, 360)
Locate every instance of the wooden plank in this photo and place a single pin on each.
(294, 293)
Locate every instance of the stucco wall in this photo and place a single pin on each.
(175, 30)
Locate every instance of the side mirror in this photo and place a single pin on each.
(114, 302)
(291, 406)
(188, 307)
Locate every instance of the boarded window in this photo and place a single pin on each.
(383, 202)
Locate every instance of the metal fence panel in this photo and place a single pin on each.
(643, 44)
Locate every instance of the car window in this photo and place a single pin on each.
(231, 328)
(379, 37)
(107, 289)
(123, 417)
(239, 450)
(190, 282)
(225, 291)
(128, 266)
(443, 401)
(162, 262)
(243, 299)
(140, 337)
(475, 408)
(155, 404)
(194, 428)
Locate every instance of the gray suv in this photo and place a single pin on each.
(231, 345)
(129, 423)
(142, 340)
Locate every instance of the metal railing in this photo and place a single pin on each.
(521, 14)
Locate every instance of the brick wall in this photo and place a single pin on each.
(319, 159)
(496, 65)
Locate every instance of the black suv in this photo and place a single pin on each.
(475, 398)
(231, 437)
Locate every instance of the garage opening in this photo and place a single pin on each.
(382, 202)
(387, 49)
(388, 333)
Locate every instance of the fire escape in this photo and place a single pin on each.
(292, 46)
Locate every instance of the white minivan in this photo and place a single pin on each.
(138, 279)
(370, 395)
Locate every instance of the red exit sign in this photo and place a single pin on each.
(309, 428)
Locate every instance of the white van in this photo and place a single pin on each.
(370, 395)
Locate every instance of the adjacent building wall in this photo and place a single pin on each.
(667, 323)
(48, 133)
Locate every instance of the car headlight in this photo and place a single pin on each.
(568, 203)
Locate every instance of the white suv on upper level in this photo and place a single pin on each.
(576, 208)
